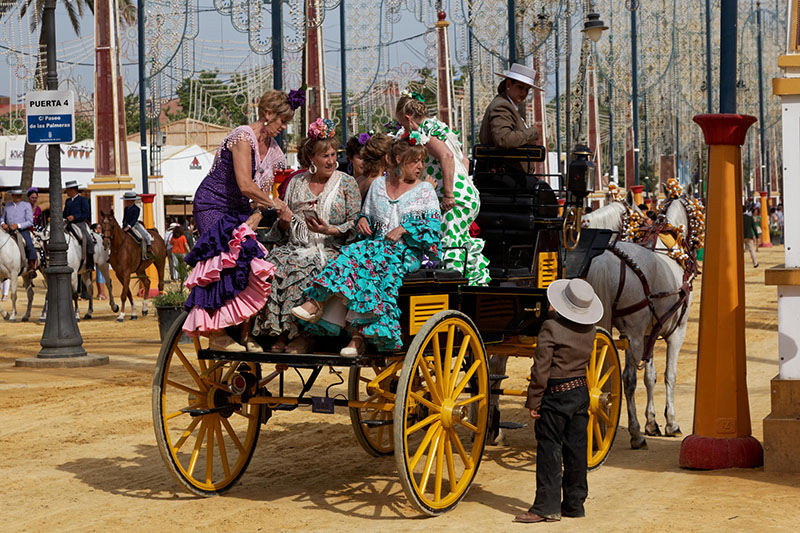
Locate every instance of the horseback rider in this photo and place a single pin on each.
(131, 224)
(18, 217)
(77, 214)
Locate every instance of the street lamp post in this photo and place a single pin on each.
(61, 337)
(633, 5)
(765, 178)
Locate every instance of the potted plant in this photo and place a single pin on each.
(169, 304)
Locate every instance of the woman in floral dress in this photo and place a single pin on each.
(460, 201)
(230, 280)
(322, 205)
(400, 220)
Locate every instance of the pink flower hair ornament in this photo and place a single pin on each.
(322, 128)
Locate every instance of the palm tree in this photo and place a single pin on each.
(75, 10)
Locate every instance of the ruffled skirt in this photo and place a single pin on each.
(230, 281)
(367, 275)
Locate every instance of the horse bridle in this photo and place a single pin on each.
(108, 232)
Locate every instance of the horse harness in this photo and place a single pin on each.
(689, 271)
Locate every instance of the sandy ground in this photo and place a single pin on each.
(78, 453)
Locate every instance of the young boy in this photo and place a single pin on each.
(558, 400)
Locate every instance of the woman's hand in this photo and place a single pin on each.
(396, 234)
(318, 226)
(284, 213)
(363, 227)
(535, 414)
(253, 221)
(448, 203)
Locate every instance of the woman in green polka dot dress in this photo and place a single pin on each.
(460, 201)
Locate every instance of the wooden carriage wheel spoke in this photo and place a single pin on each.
(592, 361)
(210, 453)
(432, 449)
(232, 434)
(448, 351)
(184, 388)
(421, 399)
(599, 367)
(462, 352)
(438, 371)
(223, 452)
(424, 422)
(598, 435)
(437, 482)
(433, 387)
(472, 399)
(187, 432)
(460, 448)
(469, 426)
(190, 369)
(465, 380)
(424, 445)
(604, 378)
(197, 445)
(197, 345)
(451, 467)
(604, 416)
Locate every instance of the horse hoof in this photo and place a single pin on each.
(638, 444)
(87, 316)
(23, 319)
(119, 319)
(11, 319)
(652, 430)
(115, 309)
(673, 431)
(133, 317)
(144, 312)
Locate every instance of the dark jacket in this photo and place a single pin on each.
(78, 207)
(502, 126)
(130, 216)
(563, 349)
(750, 228)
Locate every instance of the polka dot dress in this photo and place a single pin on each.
(457, 245)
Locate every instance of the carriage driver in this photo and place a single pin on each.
(502, 124)
(131, 224)
(77, 214)
(18, 216)
(558, 400)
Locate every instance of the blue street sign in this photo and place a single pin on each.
(50, 117)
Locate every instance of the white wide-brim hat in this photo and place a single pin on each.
(575, 300)
(521, 73)
(129, 196)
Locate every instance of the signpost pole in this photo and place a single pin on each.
(61, 337)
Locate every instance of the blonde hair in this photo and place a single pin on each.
(403, 153)
(310, 147)
(374, 153)
(411, 107)
(277, 103)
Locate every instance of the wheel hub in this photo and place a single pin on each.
(452, 413)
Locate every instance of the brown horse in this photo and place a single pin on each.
(126, 259)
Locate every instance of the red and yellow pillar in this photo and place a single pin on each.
(721, 435)
(637, 193)
(766, 241)
(148, 219)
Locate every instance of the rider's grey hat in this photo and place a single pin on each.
(520, 73)
(575, 300)
(70, 184)
(130, 195)
(16, 191)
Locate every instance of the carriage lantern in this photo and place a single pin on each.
(581, 172)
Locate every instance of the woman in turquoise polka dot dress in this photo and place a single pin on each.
(447, 166)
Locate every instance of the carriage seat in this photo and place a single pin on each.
(435, 275)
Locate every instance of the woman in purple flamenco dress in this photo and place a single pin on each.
(230, 280)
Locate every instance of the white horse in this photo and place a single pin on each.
(76, 263)
(667, 281)
(11, 266)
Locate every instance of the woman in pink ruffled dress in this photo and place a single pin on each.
(230, 281)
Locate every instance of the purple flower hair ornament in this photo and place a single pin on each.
(363, 138)
(297, 98)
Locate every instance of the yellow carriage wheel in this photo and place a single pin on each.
(441, 412)
(205, 435)
(604, 379)
(373, 422)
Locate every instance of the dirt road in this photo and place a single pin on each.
(79, 453)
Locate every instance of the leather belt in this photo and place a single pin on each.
(567, 385)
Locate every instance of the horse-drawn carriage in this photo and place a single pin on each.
(430, 404)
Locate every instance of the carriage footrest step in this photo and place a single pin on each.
(202, 412)
(377, 423)
(512, 425)
(285, 407)
(497, 377)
